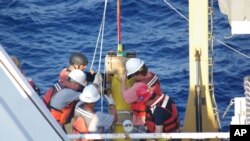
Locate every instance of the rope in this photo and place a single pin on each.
(103, 25)
(233, 49)
(228, 107)
(100, 57)
(93, 59)
(100, 34)
(102, 90)
(171, 6)
(100, 42)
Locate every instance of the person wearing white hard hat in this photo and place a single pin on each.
(77, 61)
(87, 120)
(137, 70)
(63, 102)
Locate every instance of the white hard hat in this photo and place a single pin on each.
(78, 76)
(133, 65)
(90, 94)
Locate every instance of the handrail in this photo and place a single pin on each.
(186, 135)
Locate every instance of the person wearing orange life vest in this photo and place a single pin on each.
(76, 61)
(161, 116)
(146, 93)
(64, 101)
(136, 69)
(86, 119)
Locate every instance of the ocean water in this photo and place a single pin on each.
(43, 33)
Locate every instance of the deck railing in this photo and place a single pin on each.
(206, 135)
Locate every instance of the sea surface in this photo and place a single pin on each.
(43, 33)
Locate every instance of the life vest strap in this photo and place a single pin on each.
(58, 87)
(165, 102)
(163, 105)
(84, 113)
(152, 81)
(157, 101)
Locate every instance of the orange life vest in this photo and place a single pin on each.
(63, 78)
(63, 116)
(172, 124)
(50, 93)
(139, 108)
(80, 127)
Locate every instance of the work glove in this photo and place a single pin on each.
(98, 79)
(110, 99)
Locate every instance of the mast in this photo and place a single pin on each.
(200, 115)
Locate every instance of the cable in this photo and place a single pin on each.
(233, 49)
(100, 34)
(100, 42)
(228, 107)
(171, 6)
